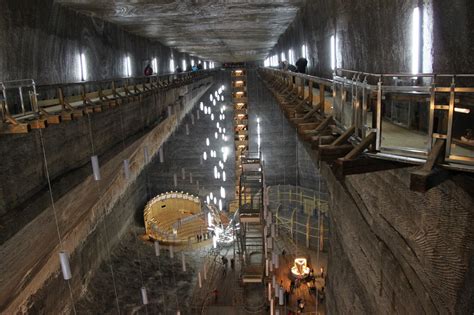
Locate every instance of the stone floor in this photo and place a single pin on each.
(169, 288)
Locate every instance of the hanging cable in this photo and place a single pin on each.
(98, 189)
(61, 244)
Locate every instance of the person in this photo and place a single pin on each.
(178, 69)
(194, 68)
(301, 65)
(199, 66)
(232, 263)
(148, 70)
(301, 305)
(321, 295)
(468, 137)
(216, 293)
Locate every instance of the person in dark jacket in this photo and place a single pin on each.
(301, 65)
(148, 70)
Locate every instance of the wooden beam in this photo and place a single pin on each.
(343, 167)
(15, 128)
(428, 176)
(316, 141)
(329, 153)
(345, 136)
(369, 140)
(40, 123)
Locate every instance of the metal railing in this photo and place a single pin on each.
(23, 100)
(407, 112)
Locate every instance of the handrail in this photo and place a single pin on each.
(358, 104)
(75, 96)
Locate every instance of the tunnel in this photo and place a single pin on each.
(237, 157)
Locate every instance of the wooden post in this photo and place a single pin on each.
(321, 97)
(321, 233)
(307, 232)
(310, 93)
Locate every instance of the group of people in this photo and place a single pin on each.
(149, 70)
(225, 261)
(299, 66)
(202, 237)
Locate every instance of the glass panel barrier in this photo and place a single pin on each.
(462, 132)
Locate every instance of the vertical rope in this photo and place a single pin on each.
(99, 193)
(53, 206)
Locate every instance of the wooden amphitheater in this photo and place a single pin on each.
(174, 217)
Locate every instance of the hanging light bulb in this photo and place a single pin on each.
(220, 205)
(144, 296)
(95, 167)
(210, 97)
(222, 192)
(211, 195)
(207, 142)
(223, 130)
(126, 169)
(216, 94)
(146, 155)
(223, 176)
(222, 98)
(204, 155)
(201, 106)
(162, 158)
(207, 199)
(65, 267)
(215, 172)
(217, 125)
(215, 200)
(212, 117)
(183, 261)
(223, 137)
(214, 102)
(216, 135)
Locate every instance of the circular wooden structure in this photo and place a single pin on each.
(174, 217)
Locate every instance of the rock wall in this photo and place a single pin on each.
(42, 40)
(375, 35)
(397, 251)
(91, 216)
(286, 160)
